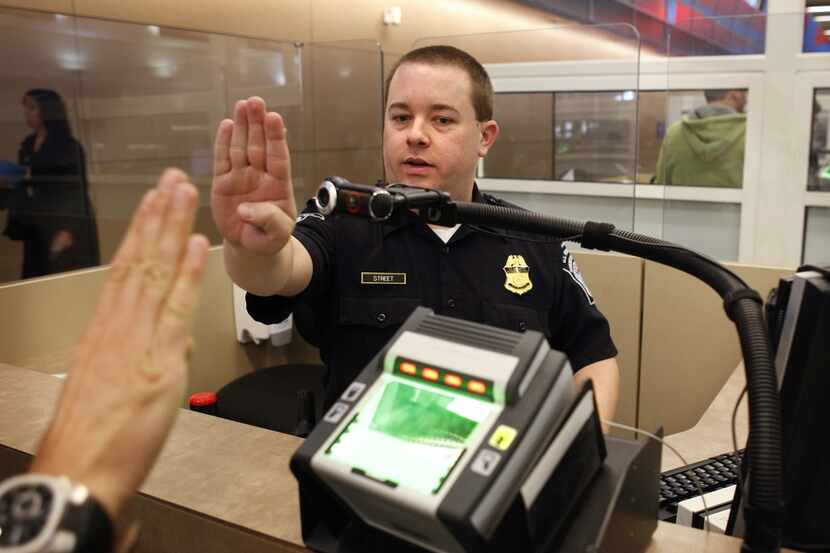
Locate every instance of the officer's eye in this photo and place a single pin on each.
(400, 117)
(443, 120)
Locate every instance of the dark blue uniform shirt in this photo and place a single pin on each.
(368, 278)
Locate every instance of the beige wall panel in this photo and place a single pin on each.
(45, 317)
(690, 347)
(339, 20)
(59, 6)
(616, 284)
(284, 20)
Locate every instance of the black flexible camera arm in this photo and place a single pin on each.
(763, 505)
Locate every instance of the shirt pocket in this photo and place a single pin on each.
(376, 312)
(514, 317)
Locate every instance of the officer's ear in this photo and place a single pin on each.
(489, 131)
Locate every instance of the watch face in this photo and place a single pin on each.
(24, 512)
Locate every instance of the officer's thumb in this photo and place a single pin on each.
(260, 214)
(266, 217)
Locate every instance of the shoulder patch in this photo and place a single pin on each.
(569, 266)
(304, 216)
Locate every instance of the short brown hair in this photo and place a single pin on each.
(482, 88)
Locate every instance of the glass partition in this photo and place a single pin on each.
(40, 54)
(710, 146)
(139, 98)
(564, 148)
(343, 96)
(702, 157)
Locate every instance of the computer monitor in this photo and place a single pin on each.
(803, 362)
(803, 365)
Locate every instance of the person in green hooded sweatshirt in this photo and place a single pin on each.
(706, 148)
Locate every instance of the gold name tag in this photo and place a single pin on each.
(382, 278)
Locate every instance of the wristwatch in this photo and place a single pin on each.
(48, 514)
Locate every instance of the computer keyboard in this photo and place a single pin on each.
(712, 474)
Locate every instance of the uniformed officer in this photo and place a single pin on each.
(360, 279)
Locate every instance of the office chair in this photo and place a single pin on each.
(285, 398)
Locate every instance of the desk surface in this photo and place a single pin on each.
(233, 472)
(712, 435)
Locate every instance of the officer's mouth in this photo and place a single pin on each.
(417, 166)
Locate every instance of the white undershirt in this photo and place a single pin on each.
(444, 233)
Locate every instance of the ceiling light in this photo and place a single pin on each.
(818, 9)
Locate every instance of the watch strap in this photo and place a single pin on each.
(91, 524)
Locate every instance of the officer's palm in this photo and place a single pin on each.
(252, 165)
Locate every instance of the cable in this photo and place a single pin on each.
(696, 478)
(735, 433)
(506, 234)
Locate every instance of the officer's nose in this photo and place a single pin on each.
(418, 134)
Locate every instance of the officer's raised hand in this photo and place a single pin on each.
(252, 197)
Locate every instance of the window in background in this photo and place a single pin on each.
(683, 27)
(705, 137)
(565, 136)
(816, 236)
(524, 148)
(707, 30)
(652, 129)
(819, 174)
(817, 26)
(595, 136)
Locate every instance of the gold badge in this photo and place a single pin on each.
(517, 275)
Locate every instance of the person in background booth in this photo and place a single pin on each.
(362, 279)
(706, 148)
(51, 213)
(123, 388)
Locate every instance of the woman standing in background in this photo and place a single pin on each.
(52, 213)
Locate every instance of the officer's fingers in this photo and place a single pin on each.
(239, 136)
(256, 132)
(172, 332)
(222, 148)
(278, 157)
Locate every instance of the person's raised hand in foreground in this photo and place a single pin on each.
(129, 371)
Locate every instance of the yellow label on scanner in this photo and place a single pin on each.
(503, 437)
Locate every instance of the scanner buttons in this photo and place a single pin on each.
(336, 413)
(485, 462)
(503, 437)
(353, 391)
